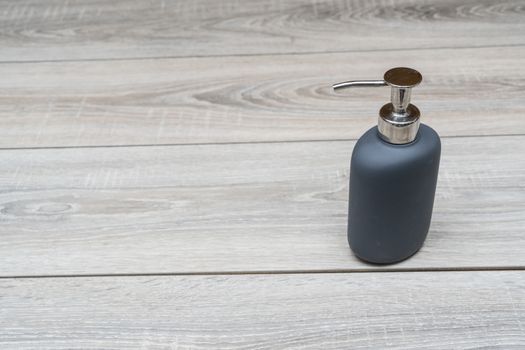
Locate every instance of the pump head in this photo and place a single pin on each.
(398, 120)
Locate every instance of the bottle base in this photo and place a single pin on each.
(386, 262)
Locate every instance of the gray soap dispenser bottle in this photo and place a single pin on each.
(393, 175)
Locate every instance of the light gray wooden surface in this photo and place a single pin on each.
(34, 30)
(242, 207)
(246, 99)
(416, 310)
(170, 170)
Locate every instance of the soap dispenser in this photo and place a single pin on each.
(393, 175)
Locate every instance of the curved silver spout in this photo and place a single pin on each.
(364, 83)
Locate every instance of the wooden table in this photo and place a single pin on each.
(174, 175)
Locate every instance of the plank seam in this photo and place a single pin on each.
(305, 53)
(277, 272)
(228, 143)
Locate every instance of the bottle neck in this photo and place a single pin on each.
(398, 126)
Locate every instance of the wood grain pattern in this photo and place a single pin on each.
(244, 99)
(33, 30)
(247, 207)
(197, 94)
(327, 311)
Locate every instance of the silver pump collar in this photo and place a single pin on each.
(398, 121)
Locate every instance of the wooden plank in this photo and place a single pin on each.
(244, 99)
(247, 207)
(445, 310)
(78, 29)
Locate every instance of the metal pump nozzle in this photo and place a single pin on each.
(398, 120)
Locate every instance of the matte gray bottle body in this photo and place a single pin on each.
(392, 189)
